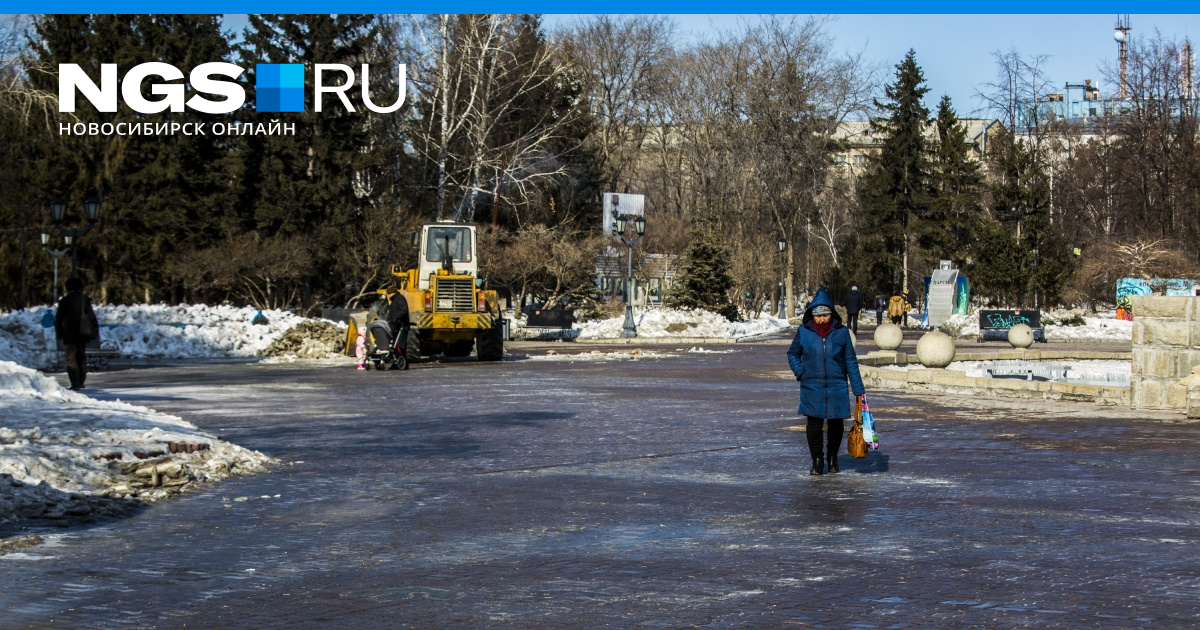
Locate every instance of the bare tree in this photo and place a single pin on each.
(621, 58)
(483, 82)
(550, 264)
(267, 273)
(374, 245)
(16, 94)
(794, 91)
(1156, 143)
(1015, 94)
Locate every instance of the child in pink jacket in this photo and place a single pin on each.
(360, 349)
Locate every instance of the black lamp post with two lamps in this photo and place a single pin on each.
(56, 253)
(58, 212)
(639, 225)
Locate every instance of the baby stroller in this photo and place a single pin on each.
(384, 349)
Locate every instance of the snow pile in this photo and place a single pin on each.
(962, 326)
(62, 452)
(158, 330)
(24, 340)
(596, 355)
(151, 330)
(310, 339)
(1094, 328)
(683, 323)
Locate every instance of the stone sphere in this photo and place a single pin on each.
(935, 349)
(1020, 336)
(888, 336)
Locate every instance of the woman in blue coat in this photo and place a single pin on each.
(822, 358)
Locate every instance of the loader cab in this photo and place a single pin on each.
(449, 246)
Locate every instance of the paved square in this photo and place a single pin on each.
(660, 492)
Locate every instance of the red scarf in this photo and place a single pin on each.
(823, 329)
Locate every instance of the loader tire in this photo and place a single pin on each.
(490, 344)
(413, 349)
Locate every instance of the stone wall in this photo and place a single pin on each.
(876, 375)
(1166, 348)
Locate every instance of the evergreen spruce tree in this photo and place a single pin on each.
(895, 194)
(956, 202)
(312, 185)
(1021, 201)
(706, 281)
(160, 192)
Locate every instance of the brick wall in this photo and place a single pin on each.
(1166, 348)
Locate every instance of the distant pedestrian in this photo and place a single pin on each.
(896, 308)
(823, 359)
(907, 308)
(76, 325)
(880, 307)
(854, 304)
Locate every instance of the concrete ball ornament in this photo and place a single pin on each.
(1020, 336)
(888, 336)
(935, 349)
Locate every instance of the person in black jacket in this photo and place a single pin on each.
(75, 324)
(854, 304)
(397, 316)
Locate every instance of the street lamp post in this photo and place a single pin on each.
(56, 253)
(58, 211)
(782, 244)
(639, 224)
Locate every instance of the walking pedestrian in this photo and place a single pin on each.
(853, 304)
(75, 325)
(880, 307)
(823, 359)
(896, 308)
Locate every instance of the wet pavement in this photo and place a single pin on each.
(651, 493)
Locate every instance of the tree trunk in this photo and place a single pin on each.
(445, 94)
(790, 304)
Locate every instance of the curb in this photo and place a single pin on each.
(639, 341)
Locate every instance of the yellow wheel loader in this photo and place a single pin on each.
(450, 310)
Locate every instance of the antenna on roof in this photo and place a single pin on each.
(1122, 37)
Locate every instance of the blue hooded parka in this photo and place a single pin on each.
(823, 365)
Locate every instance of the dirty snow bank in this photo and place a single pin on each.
(157, 330)
(61, 451)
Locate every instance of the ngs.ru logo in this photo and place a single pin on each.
(279, 87)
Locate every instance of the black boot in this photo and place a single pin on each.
(818, 467)
(833, 467)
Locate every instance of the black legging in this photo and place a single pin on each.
(813, 432)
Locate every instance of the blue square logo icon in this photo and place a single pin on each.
(279, 87)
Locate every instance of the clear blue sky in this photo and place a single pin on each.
(956, 51)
